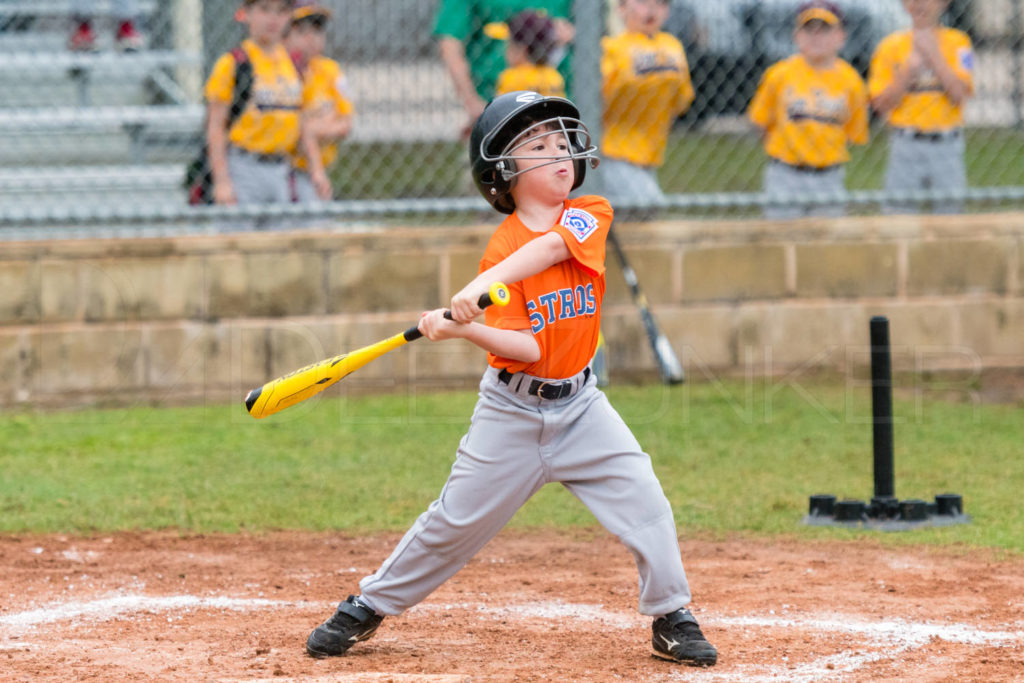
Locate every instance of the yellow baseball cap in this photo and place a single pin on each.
(822, 10)
(306, 10)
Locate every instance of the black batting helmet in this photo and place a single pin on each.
(502, 121)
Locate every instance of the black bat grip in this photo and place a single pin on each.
(413, 333)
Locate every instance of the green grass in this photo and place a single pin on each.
(732, 457)
(694, 162)
(734, 163)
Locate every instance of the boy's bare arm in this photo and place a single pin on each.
(535, 256)
(516, 344)
(453, 54)
(317, 173)
(331, 127)
(217, 151)
(336, 127)
(890, 97)
(927, 44)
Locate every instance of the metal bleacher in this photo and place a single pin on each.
(97, 127)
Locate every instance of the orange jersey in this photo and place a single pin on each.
(324, 91)
(560, 305)
(269, 124)
(646, 85)
(925, 106)
(808, 115)
(543, 79)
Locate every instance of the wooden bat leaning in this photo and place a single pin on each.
(669, 366)
(295, 387)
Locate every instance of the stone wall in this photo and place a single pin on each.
(209, 317)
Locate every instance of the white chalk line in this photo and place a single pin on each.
(112, 607)
(889, 638)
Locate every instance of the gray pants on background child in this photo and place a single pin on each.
(258, 178)
(622, 180)
(784, 179)
(302, 185)
(925, 161)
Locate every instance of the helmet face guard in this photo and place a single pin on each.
(495, 139)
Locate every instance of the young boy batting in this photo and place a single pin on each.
(540, 417)
(646, 86)
(326, 106)
(919, 81)
(809, 107)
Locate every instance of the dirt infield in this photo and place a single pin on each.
(546, 607)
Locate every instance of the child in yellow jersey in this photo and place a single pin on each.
(326, 107)
(919, 81)
(809, 107)
(532, 40)
(646, 86)
(249, 161)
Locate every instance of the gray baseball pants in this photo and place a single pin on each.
(923, 162)
(783, 179)
(259, 179)
(622, 180)
(516, 443)
(305, 192)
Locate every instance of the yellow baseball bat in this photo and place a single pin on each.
(295, 387)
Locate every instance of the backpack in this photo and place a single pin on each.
(198, 176)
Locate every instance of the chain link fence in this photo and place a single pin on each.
(99, 139)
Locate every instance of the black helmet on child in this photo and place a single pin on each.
(504, 119)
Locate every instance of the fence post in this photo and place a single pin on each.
(586, 72)
(1018, 62)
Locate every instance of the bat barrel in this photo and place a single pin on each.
(251, 398)
(298, 386)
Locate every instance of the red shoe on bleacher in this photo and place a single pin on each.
(128, 38)
(82, 38)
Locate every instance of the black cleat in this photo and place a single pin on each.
(678, 638)
(354, 621)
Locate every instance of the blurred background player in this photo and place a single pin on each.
(919, 81)
(326, 107)
(474, 59)
(250, 162)
(646, 86)
(808, 108)
(532, 41)
(127, 36)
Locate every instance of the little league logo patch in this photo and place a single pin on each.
(580, 223)
(966, 58)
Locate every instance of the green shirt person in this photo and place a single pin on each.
(470, 33)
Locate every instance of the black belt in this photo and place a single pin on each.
(545, 390)
(937, 136)
(264, 158)
(804, 168)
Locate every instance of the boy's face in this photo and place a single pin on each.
(308, 38)
(541, 175)
(515, 54)
(819, 40)
(267, 20)
(925, 12)
(644, 16)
